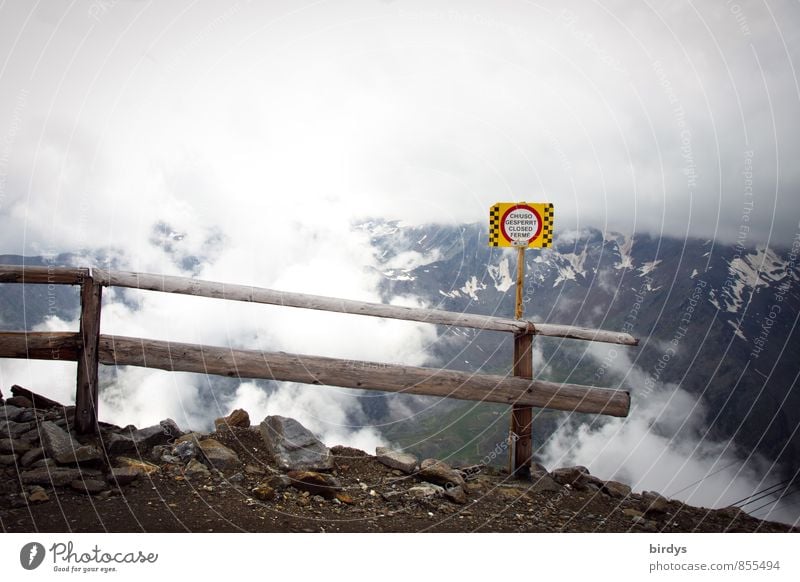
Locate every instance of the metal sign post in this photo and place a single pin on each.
(521, 225)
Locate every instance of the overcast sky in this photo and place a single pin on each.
(285, 121)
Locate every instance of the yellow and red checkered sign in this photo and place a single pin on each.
(521, 224)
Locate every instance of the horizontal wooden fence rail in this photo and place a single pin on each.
(52, 275)
(200, 288)
(316, 370)
(233, 292)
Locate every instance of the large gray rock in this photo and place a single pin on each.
(294, 447)
(141, 440)
(58, 444)
(544, 482)
(405, 462)
(219, 456)
(440, 473)
(615, 489)
(9, 412)
(575, 476)
(55, 477)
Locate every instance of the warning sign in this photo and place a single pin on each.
(521, 224)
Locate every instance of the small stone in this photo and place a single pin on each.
(616, 490)
(37, 494)
(440, 473)
(31, 456)
(219, 456)
(103, 495)
(11, 429)
(343, 497)
(315, 483)
(405, 462)
(264, 492)
(633, 513)
(196, 469)
(43, 463)
(144, 466)
(14, 447)
(304, 502)
(185, 451)
(279, 482)
(253, 470)
(238, 418)
(426, 491)
(318, 499)
(90, 486)
(236, 478)
(8, 460)
(55, 477)
(650, 526)
(125, 475)
(456, 494)
(194, 437)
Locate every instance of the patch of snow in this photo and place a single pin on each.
(398, 275)
(750, 272)
(625, 259)
(648, 267)
(408, 260)
(739, 333)
(472, 287)
(694, 274)
(573, 268)
(501, 275)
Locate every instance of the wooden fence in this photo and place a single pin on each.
(90, 348)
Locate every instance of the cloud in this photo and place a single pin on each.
(663, 446)
(627, 117)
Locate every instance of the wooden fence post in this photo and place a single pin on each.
(522, 416)
(86, 395)
(521, 443)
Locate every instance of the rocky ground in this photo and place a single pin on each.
(277, 477)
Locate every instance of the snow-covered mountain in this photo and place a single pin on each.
(718, 321)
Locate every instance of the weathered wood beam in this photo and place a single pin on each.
(53, 275)
(86, 389)
(522, 415)
(187, 286)
(127, 351)
(61, 345)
